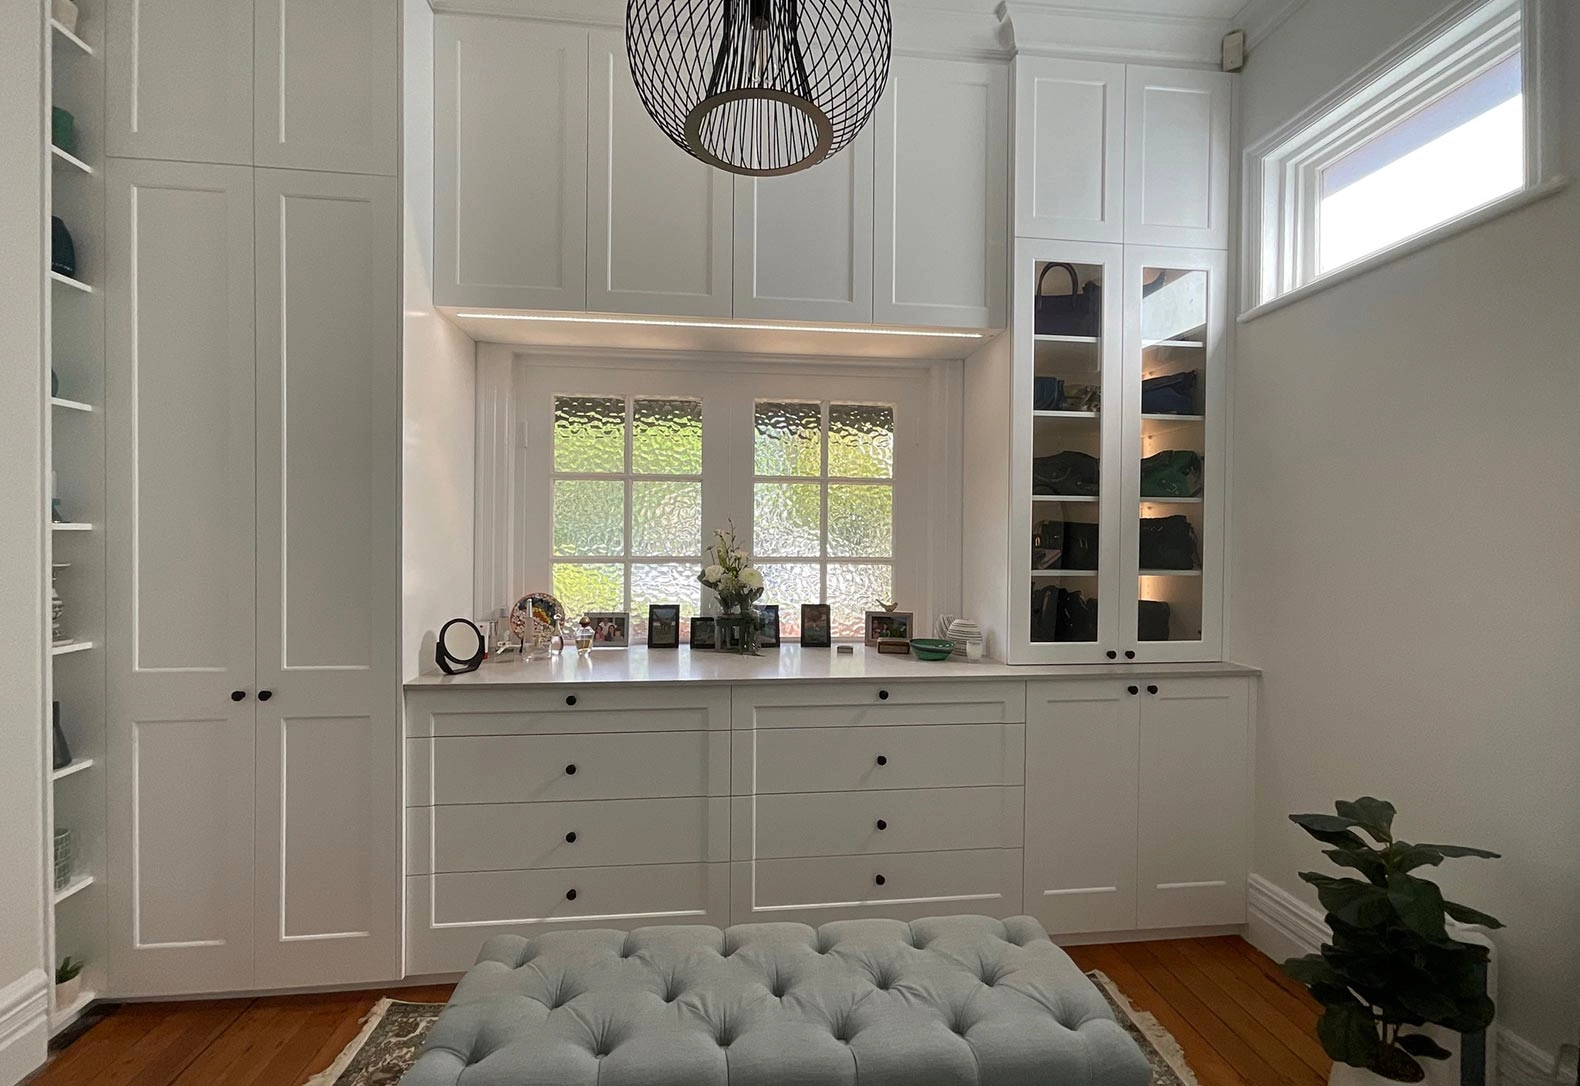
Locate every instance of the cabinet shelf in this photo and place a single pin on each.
(68, 281)
(1171, 573)
(69, 405)
(68, 526)
(1068, 339)
(1036, 573)
(1090, 416)
(78, 884)
(71, 769)
(66, 648)
(1090, 498)
(60, 28)
(67, 158)
(1175, 418)
(1150, 343)
(1171, 501)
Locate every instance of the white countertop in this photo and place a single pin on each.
(642, 666)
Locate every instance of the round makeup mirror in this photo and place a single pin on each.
(460, 647)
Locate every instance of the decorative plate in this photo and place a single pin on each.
(535, 615)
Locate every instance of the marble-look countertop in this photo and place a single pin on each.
(657, 667)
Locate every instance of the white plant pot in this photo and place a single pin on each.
(66, 992)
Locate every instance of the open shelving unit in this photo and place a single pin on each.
(77, 915)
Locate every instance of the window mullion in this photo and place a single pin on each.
(630, 495)
(825, 409)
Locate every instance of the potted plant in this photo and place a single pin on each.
(1391, 965)
(68, 981)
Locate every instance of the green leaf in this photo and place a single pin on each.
(1312, 970)
(1406, 857)
(1398, 1065)
(1466, 915)
(1375, 816)
(1419, 904)
(1348, 1033)
(1324, 826)
(1352, 901)
(1455, 852)
(1474, 1015)
(1367, 862)
(1419, 1044)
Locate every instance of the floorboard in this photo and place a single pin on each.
(1240, 1021)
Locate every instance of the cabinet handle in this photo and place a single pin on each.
(880, 880)
(1130, 654)
(883, 759)
(265, 695)
(883, 823)
(1112, 655)
(570, 770)
(238, 695)
(570, 699)
(1134, 689)
(570, 838)
(883, 695)
(1152, 690)
(570, 895)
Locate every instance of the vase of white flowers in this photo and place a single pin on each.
(738, 585)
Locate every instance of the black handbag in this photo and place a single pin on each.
(1169, 543)
(1077, 618)
(1152, 621)
(1080, 545)
(1047, 545)
(1073, 474)
(1047, 394)
(62, 253)
(1173, 394)
(1078, 313)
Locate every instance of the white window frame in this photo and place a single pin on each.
(513, 543)
(1282, 172)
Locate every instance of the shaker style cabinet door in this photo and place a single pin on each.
(180, 550)
(328, 734)
(327, 84)
(1177, 157)
(510, 164)
(1069, 149)
(803, 242)
(660, 223)
(942, 227)
(179, 80)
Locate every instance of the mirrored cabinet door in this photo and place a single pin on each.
(1174, 462)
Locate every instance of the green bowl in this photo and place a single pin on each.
(932, 648)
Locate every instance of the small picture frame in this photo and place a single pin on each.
(888, 625)
(611, 629)
(768, 625)
(663, 626)
(704, 632)
(817, 626)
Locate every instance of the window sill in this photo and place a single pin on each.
(1482, 215)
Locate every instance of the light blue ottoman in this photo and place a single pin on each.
(953, 1001)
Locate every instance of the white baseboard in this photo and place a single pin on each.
(24, 1026)
(1283, 926)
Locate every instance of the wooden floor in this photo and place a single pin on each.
(1240, 1021)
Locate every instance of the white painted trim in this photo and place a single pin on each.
(1043, 29)
(24, 1025)
(1259, 18)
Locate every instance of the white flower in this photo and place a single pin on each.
(713, 574)
(728, 583)
(751, 578)
(738, 556)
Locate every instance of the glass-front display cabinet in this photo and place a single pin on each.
(1117, 464)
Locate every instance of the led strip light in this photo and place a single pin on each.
(725, 325)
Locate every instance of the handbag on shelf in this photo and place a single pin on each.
(1175, 473)
(1080, 545)
(62, 253)
(1047, 545)
(1152, 621)
(1047, 393)
(1073, 474)
(1060, 615)
(1082, 398)
(1078, 313)
(1173, 394)
(1169, 543)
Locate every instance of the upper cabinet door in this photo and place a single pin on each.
(1069, 150)
(510, 149)
(942, 184)
(661, 223)
(803, 242)
(180, 80)
(328, 753)
(1177, 158)
(327, 84)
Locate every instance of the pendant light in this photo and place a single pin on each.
(760, 87)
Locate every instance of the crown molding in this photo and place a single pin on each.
(1185, 40)
(1259, 18)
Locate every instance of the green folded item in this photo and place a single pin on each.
(63, 130)
(1171, 474)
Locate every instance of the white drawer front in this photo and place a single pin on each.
(524, 769)
(833, 705)
(586, 833)
(846, 759)
(864, 823)
(913, 884)
(567, 709)
(664, 893)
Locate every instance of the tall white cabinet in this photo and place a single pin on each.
(253, 437)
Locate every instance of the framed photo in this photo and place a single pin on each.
(704, 634)
(768, 625)
(817, 626)
(888, 624)
(611, 629)
(663, 626)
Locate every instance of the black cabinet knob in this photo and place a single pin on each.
(1134, 689)
(570, 838)
(238, 695)
(1152, 690)
(1112, 655)
(570, 699)
(1130, 654)
(883, 759)
(883, 823)
(570, 895)
(265, 695)
(880, 880)
(570, 770)
(883, 695)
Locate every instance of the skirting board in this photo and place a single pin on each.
(1283, 926)
(24, 1026)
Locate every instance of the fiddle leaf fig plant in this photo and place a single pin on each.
(1392, 965)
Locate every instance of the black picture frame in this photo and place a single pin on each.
(768, 625)
(663, 626)
(704, 632)
(817, 626)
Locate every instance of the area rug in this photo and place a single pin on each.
(393, 1033)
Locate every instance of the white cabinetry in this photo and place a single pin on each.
(510, 161)
(1177, 157)
(660, 223)
(942, 219)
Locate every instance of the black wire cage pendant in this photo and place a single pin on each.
(760, 87)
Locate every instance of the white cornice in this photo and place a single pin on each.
(1041, 28)
(1259, 18)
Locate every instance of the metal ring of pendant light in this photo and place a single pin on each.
(760, 87)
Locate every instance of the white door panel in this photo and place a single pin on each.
(1069, 149)
(1177, 157)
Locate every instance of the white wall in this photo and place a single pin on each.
(22, 980)
(439, 392)
(1407, 541)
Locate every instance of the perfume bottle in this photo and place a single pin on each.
(584, 636)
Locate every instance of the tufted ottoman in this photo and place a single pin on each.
(953, 1001)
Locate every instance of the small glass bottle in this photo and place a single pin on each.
(584, 636)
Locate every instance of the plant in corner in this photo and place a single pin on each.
(67, 981)
(1391, 965)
